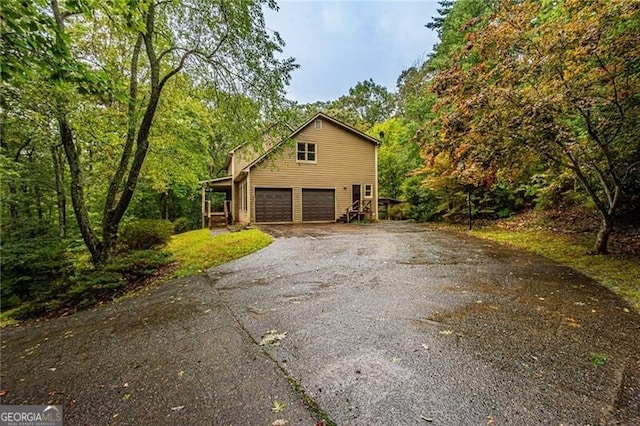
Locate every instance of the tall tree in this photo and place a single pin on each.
(367, 104)
(224, 43)
(558, 79)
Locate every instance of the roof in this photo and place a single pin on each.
(306, 123)
(214, 181)
(233, 150)
(387, 200)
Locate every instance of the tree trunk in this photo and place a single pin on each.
(77, 193)
(58, 170)
(602, 239)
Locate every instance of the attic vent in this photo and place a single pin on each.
(318, 124)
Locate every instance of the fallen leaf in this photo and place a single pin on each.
(424, 345)
(126, 396)
(180, 373)
(272, 338)
(446, 332)
(3, 392)
(280, 422)
(490, 421)
(126, 385)
(426, 419)
(277, 406)
(178, 408)
(207, 311)
(51, 369)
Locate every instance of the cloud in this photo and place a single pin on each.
(338, 43)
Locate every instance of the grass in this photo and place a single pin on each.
(619, 273)
(198, 250)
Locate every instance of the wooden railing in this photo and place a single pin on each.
(221, 218)
(358, 210)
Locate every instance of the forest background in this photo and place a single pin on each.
(112, 112)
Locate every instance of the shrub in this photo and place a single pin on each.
(397, 212)
(138, 263)
(181, 225)
(32, 268)
(145, 234)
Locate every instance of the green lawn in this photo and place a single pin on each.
(619, 273)
(197, 251)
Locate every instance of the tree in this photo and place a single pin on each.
(224, 43)
(398, 155)
(559, 80)
(366, 104)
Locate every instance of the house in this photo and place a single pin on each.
(325, 171)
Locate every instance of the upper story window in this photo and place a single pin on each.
(306, 151)
(368, 191)
(318, 124)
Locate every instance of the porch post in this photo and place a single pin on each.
(202, 207)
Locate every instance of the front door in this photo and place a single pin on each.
(355, 195)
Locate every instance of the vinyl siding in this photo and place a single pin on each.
(343, 159)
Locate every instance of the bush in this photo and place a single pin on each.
(181, 225)
(145, 234)
(138, 263)
(397, 212)
(32, 268)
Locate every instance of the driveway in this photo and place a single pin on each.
(387, 324)
(395, 324)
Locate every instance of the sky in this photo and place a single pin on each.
(338, 43)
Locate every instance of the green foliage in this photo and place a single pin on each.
(32, 268)
(423, 202)
(397, 212)
(145, 234)
(366, 105)
(598, 359)
(181, 225)
(75, 289)
(548, 82)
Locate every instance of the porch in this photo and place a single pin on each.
(360, 210)
(216, 206)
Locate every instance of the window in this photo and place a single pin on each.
(368, 191)
(318, 124)
(306, 151)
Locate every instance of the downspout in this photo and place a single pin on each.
(249, 196)
(375, 198)
(234, 211)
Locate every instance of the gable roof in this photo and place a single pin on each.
(232, 151)
(318, 115)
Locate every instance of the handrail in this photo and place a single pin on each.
(355, 206)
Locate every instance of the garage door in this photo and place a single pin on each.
(273, 205)
(318, 205)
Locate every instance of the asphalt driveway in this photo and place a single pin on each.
(386, 324)
(398, 323)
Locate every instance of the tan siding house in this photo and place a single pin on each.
(325, 171)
